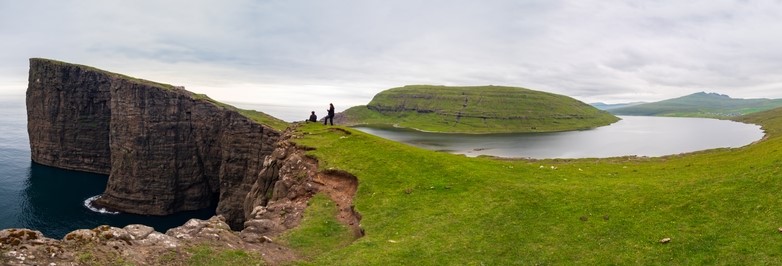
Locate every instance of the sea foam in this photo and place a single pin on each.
(88, 204)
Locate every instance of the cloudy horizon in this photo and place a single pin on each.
(304, 54)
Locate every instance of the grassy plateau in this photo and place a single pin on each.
(422, 207)
(482, 109)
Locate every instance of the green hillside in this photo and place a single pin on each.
(711, 105)
(420, 207)
(485, 109)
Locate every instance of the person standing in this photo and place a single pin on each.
(330, 117)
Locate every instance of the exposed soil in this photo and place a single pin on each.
(341, 187)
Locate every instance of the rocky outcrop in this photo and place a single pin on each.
(165, 149)
(287, 180)
(132, 245)
(275, 203)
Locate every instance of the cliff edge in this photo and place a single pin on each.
(275, 203)
(165, 149)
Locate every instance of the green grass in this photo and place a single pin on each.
(484, 109)
(710, 105)
(428, 208)
(319, 231)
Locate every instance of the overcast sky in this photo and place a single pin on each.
(288, 57)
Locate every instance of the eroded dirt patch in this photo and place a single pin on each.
(341, 187)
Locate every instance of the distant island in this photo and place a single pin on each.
(701, 104)
(476, 109)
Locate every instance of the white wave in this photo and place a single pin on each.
(88, 204)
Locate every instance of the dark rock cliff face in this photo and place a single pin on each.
(165, 149)
(68, 114)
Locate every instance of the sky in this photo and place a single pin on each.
(289, 57)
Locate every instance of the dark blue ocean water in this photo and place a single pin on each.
(52, 200)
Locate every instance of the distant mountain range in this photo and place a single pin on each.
(701, 104)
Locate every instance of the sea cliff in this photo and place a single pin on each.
(165, 149)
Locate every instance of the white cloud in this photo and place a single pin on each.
(306, 53)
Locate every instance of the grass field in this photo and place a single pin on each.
(427, 208)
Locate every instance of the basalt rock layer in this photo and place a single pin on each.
(165, 149)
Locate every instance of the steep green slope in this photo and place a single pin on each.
(717, 207)
(486, 109)
(700, 105)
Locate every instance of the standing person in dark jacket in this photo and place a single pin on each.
(330, 117)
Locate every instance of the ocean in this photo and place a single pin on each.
(53, 200)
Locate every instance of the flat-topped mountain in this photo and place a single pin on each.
(479, 109)
(700, 104)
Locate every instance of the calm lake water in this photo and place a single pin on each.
(633, 135)
(52, 200)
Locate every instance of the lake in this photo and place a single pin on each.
(52, 200)
(633, 135)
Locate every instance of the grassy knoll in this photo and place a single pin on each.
(484, 109)
(422, 207)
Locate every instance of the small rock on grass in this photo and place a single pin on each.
(665, 240)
